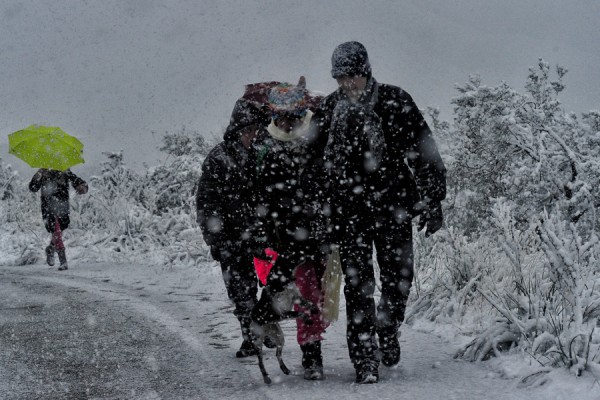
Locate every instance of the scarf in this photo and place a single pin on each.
(356, 143)
(301, 131)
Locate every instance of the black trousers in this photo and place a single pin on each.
(50, 220)
(394, 252)
(241, 284)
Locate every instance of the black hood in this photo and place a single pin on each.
(245, 114)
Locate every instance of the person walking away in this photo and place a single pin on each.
(225, 205)
(289, 215)
(54, 188)
(384, 169)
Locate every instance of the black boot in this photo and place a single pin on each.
(62, 258)
(247, 348)
(312, 361)
(389, 346)
(367, 371)
(50, 250)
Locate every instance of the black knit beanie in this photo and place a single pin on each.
(350, 59)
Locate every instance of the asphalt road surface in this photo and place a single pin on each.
(71, 337)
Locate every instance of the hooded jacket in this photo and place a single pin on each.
(226, 194)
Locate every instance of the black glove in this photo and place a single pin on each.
(431, 219)
(215, 253)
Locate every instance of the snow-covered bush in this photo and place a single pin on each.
(125, 216)
(172, 189)
(114, 196)
(174, 184)
(7, 181)
(16, 201)
(522, 220)
(19, 219)
(150, 213)
(185, 143)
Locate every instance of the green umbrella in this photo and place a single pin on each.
(46, 147)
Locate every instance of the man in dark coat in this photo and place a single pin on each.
(54, 187)
(226, 203)
(384, 169)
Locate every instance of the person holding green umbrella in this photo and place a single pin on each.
(54, 152)
(54, 188)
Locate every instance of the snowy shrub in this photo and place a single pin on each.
(7, 182)
(449, 272)
(185, 143)
(20, 219)
(16, 202)
(112, 199)
(573, 256)
(549, 304)
(174, 184)
(523, 222)
(142, 214)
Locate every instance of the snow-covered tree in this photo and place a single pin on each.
(524, 178)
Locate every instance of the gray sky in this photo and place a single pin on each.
(120, 73)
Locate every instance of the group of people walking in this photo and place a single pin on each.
(297, 174)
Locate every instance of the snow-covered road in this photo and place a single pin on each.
(148, 332)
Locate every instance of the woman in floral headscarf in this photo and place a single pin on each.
(287, 176)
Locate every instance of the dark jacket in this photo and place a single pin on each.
(410, 168)
(226, 195)
(54, 187)
(226, 192)
(288, 205)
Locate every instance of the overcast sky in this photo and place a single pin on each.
(120, 73)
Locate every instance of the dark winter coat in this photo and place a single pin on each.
(288, 207)
(226, 192)
(226, 195)
(408, 168)
(54, 186)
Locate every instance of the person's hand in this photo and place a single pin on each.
(81, 189)
(431, 219)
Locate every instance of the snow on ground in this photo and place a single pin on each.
(427, 371)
